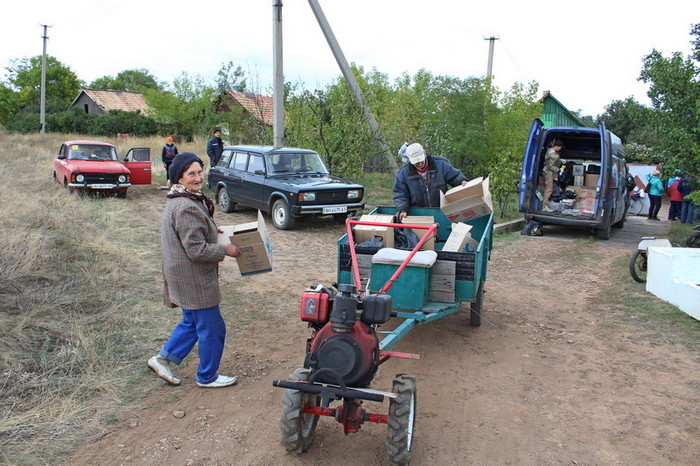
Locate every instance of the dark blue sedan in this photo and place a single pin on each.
(287, 182)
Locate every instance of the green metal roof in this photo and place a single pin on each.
(555, 114)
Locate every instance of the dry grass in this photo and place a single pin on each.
(79, 287)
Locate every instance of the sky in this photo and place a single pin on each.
(587, 54)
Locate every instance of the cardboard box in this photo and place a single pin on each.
(467, 202)
(586, 199)
(591, 180)
(426, 220)
(578, 180)
(460, 238)
(256, 250)
(576, 189)
(365, 232)
(578, 170)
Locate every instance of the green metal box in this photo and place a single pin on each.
(411, 289)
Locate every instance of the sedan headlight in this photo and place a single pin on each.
(307, 197)
(122, 178)
(80, 178)
(354, 194)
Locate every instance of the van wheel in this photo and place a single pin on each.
(604, 233)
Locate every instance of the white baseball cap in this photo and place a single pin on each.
(415, 153)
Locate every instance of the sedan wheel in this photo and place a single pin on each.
(281, 216)
(225, 201)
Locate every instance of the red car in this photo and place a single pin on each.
(92, 166)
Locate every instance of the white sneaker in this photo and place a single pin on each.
(163, 371)
(546, 209)
(220, 381)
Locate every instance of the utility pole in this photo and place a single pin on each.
(278, 83)
(42, 106)
(352, 83)
(489, 70)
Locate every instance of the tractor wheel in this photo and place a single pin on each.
(401, 420)
(604, 233)
(638, 266)
(297, 428)
(477, 309)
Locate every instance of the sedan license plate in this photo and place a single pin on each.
(102, 186)
(335, 210)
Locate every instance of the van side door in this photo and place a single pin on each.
(530, 173)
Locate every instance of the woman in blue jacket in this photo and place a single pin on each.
(656, 190)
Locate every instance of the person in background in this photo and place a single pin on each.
(167, 156)
(215, 147)
(656, 190)
(675, 196)
(402, 152)
(550, 172)
(191, 256)
(419, 182)
(687, 208)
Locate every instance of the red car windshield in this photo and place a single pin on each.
(91, 152)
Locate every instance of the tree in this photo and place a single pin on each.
(230, 78)
(675, 94)
(186, 111)
(136, 80)
(24, 77)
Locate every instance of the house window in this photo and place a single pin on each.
(87, 109)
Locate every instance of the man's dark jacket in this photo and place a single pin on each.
(215, 147)
(412, 190)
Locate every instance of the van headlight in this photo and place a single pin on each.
(354, 194)
(122, 178)
(307, 197)
(80, 178)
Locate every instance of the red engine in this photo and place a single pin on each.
(345, 344)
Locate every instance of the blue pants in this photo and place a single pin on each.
(205, 325)
(688, 212)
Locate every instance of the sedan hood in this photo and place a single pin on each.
(316, 182)
(97, 166)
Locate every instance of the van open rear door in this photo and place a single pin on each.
(138, 161)
(529, 177)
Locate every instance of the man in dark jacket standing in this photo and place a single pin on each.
(419, 182)
(214, 147)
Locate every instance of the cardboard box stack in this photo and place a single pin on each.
(586, 199)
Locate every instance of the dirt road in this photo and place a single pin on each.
(554, 375)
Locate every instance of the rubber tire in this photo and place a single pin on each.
(477, 307)
(604, 233)
(224, 201)
(281, 215)
(68, 188)
(298, 429)
(639, 273)
(693, 241)
(401, 420)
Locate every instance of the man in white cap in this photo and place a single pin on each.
(419, 182)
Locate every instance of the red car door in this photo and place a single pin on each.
(138, 161)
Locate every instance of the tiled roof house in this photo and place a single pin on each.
(258, 106)
(98, 102)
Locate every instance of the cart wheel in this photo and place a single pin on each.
(401, 420)
(693, 241)
(477, 308)
(638, 266)
(297, 428)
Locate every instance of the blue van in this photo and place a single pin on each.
(593, 188)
